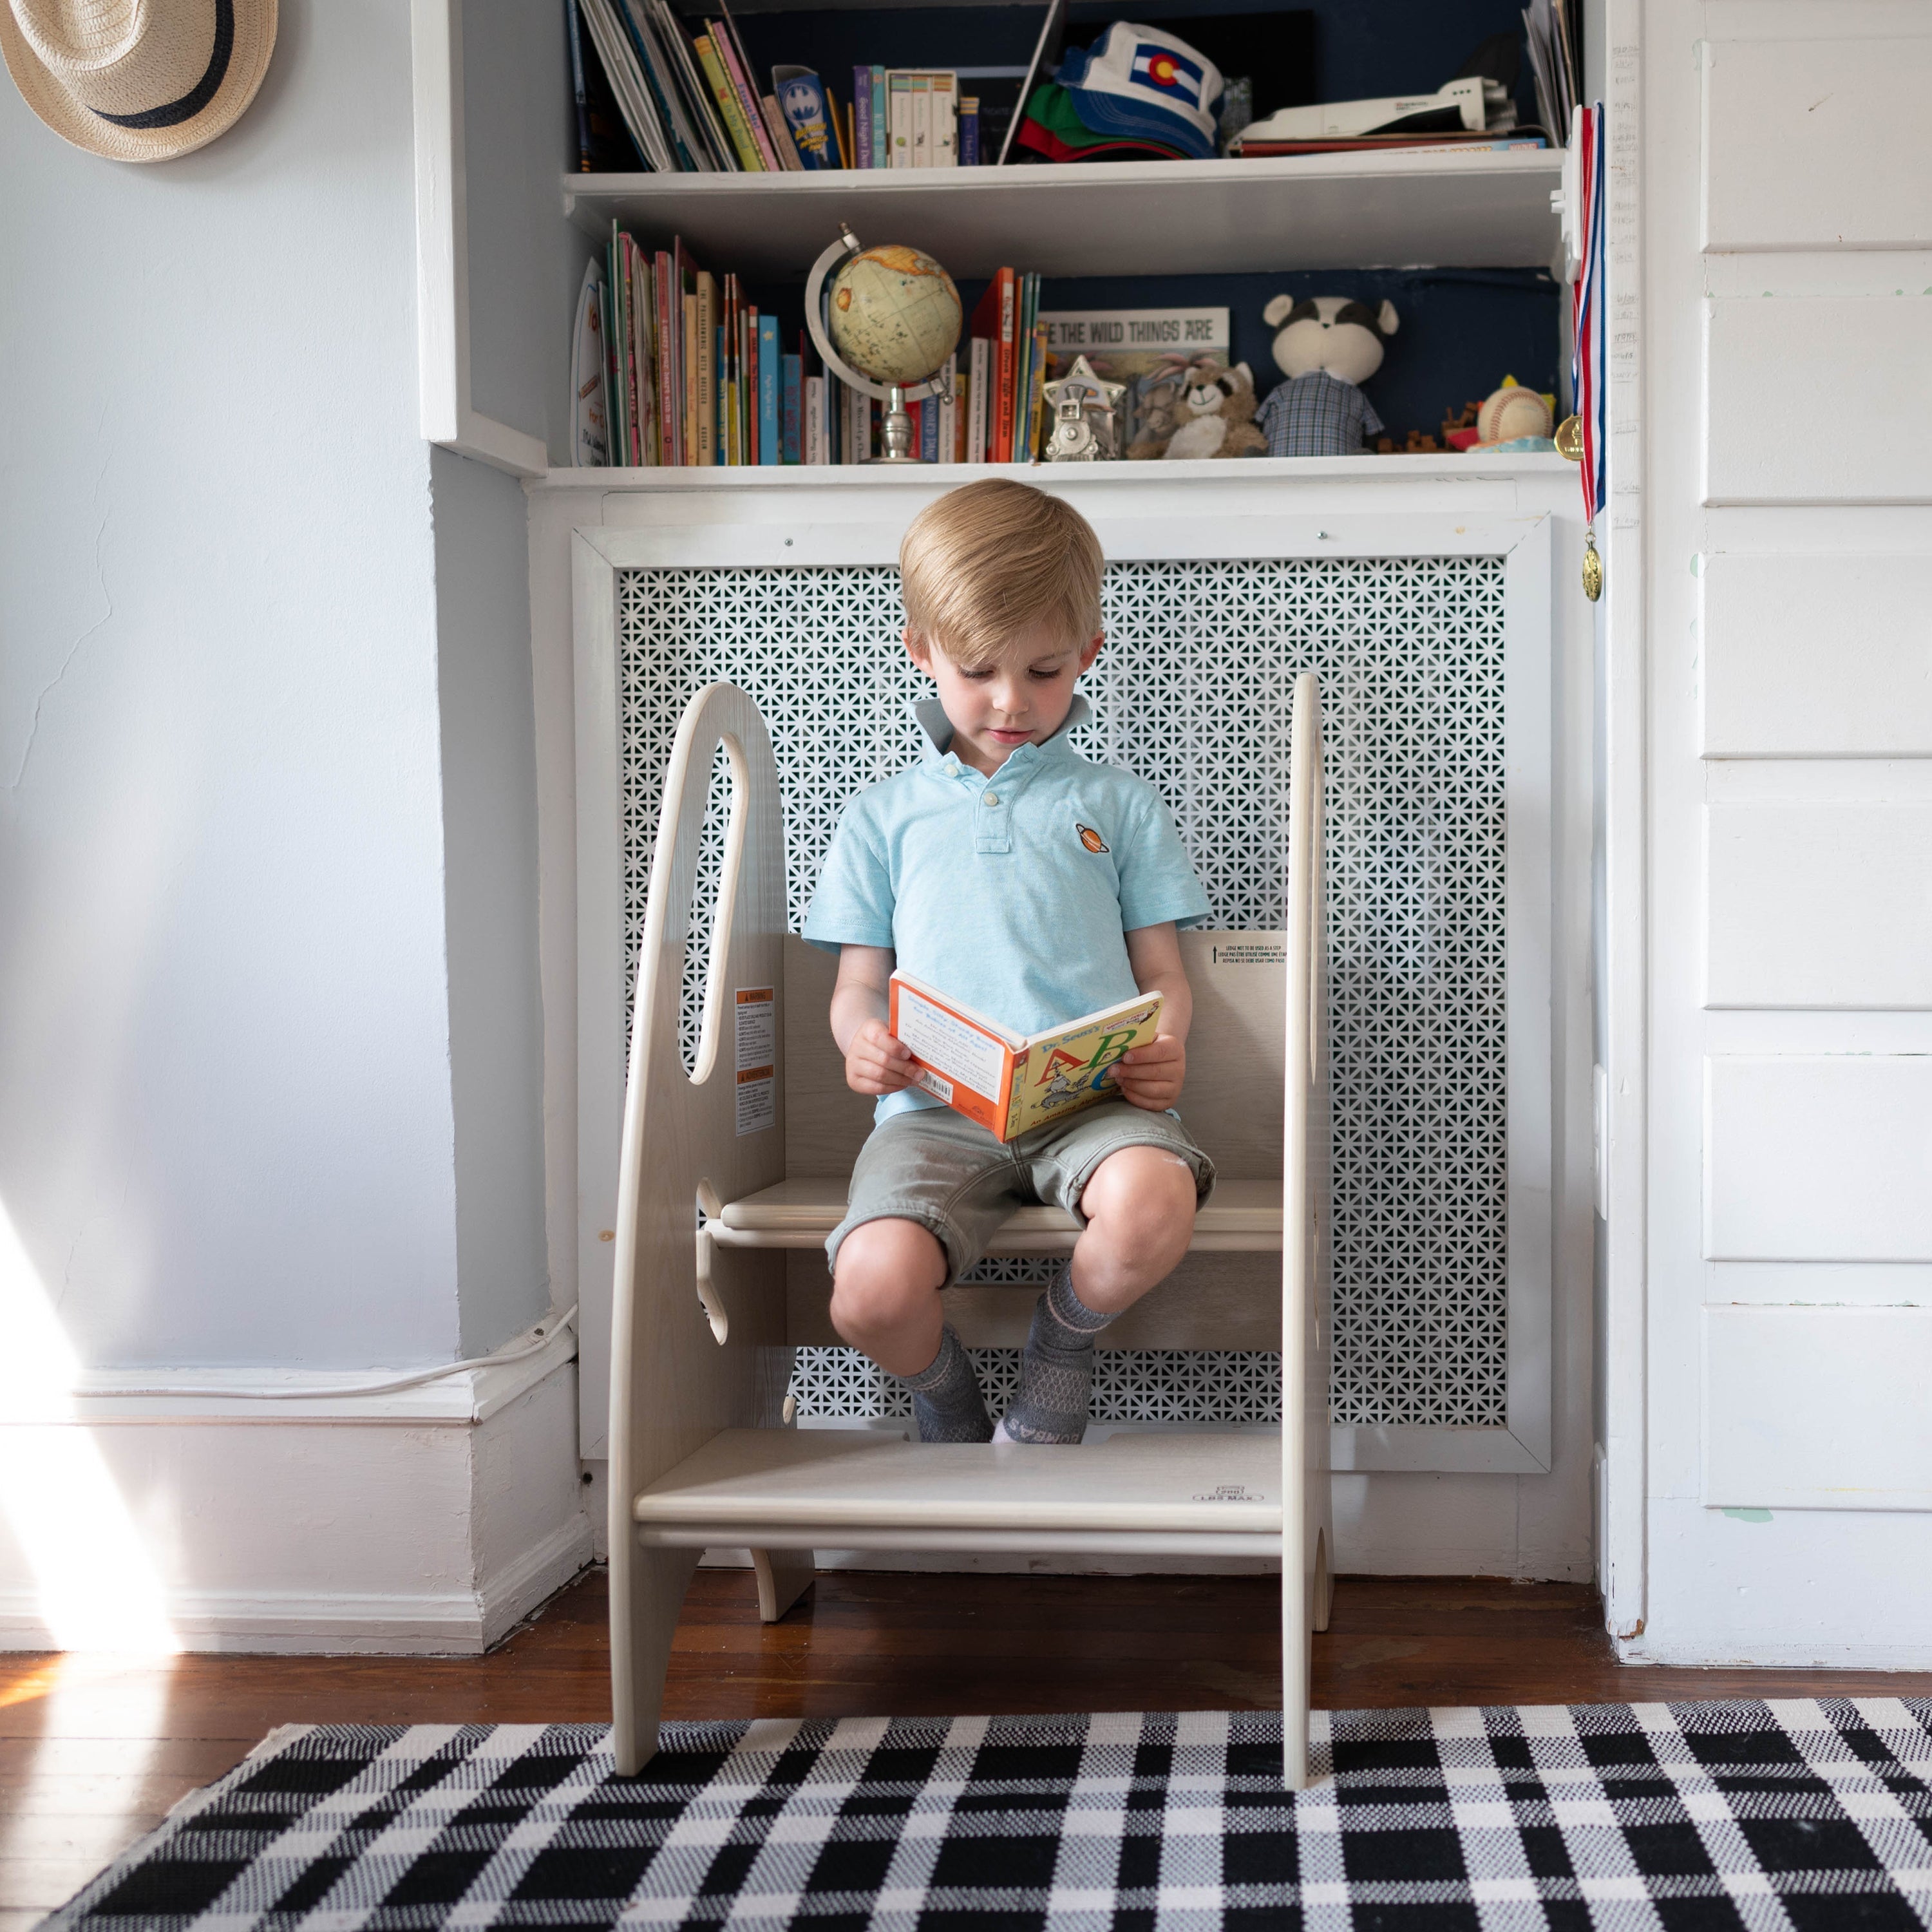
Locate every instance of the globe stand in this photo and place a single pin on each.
(896, 428)
(896, 431)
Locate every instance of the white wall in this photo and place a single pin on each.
(1787, 1256)
(225, 1114)
(270, 1064)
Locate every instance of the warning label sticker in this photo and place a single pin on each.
(756, 1008)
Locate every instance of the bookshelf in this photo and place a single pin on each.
(1162, 220)
(1314, 211)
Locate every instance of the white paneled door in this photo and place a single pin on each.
(1774, 465)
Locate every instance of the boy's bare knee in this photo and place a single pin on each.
(886, 1275)
(1142, 1195)
(1139, 1206)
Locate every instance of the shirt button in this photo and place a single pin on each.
(992, 798)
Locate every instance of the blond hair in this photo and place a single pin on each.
(992, 561)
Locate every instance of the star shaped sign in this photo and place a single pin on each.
(1081, 382)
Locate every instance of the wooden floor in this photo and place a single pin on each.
(92, 1752)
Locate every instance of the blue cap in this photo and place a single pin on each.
(1145, 83)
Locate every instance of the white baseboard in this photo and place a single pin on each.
(1710, 1654)
(429, 1521)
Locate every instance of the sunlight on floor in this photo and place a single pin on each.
(94, 1585)
(85, 1734)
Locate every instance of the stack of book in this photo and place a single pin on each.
(691, 102)
(693, 373)
(1556, 62)
(1008, 367)
(906, 118)
(688, 101)
(1473, 111)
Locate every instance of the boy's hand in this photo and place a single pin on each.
(1151, 1076)
(876, 1062)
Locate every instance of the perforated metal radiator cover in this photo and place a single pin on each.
(1193, 692)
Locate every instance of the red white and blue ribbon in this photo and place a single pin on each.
(1588, 370)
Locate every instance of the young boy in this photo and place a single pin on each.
(1027, 882)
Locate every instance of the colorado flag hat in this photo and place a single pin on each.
(1142, 81)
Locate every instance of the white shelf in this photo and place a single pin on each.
(1453, 467)
(1352, 211)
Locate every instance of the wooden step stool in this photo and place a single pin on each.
(701, 1349)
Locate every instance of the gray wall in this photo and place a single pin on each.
(489, 895)
(525, 261)
(240, 978)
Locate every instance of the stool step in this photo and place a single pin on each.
(801, 1210)
(846, 1489)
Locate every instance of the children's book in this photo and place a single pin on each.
(791, 410)
(1009, 1082)
(590, 438)
(771, 448)
(881, 147)
(978, 415)
(995, 320)
(862, 115)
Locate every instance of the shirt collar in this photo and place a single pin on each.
(936, 728)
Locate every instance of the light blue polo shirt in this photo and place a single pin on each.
(1012, 893)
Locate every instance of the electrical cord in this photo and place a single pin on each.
(501, 1358)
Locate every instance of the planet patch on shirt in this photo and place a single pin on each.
(1090, 837)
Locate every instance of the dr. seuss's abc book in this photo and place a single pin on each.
(1006, 1082)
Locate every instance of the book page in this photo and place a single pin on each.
(947, 1044)
(1074, 1069)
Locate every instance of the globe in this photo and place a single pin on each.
(894, 314)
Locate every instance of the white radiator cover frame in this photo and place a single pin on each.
(598, 552)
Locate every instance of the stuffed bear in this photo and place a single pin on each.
(1327, 346)
(1209, 414)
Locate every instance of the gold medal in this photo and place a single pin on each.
(1593, 567)
(1569, 438)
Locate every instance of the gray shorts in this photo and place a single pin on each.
(937, 1168)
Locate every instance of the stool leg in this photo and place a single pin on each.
(647, 1588)
(783, 1576)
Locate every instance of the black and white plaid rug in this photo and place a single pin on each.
(1793, 1815)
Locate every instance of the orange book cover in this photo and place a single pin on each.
(1008, 1082)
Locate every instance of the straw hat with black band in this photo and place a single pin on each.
(138, 80)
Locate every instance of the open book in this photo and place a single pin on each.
(1006, 1082)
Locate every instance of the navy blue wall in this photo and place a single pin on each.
(1463, 330)
(1363, 48)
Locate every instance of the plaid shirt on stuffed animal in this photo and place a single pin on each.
(1317, 414)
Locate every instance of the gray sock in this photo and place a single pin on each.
(946, 1403)
(1057, 1369)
